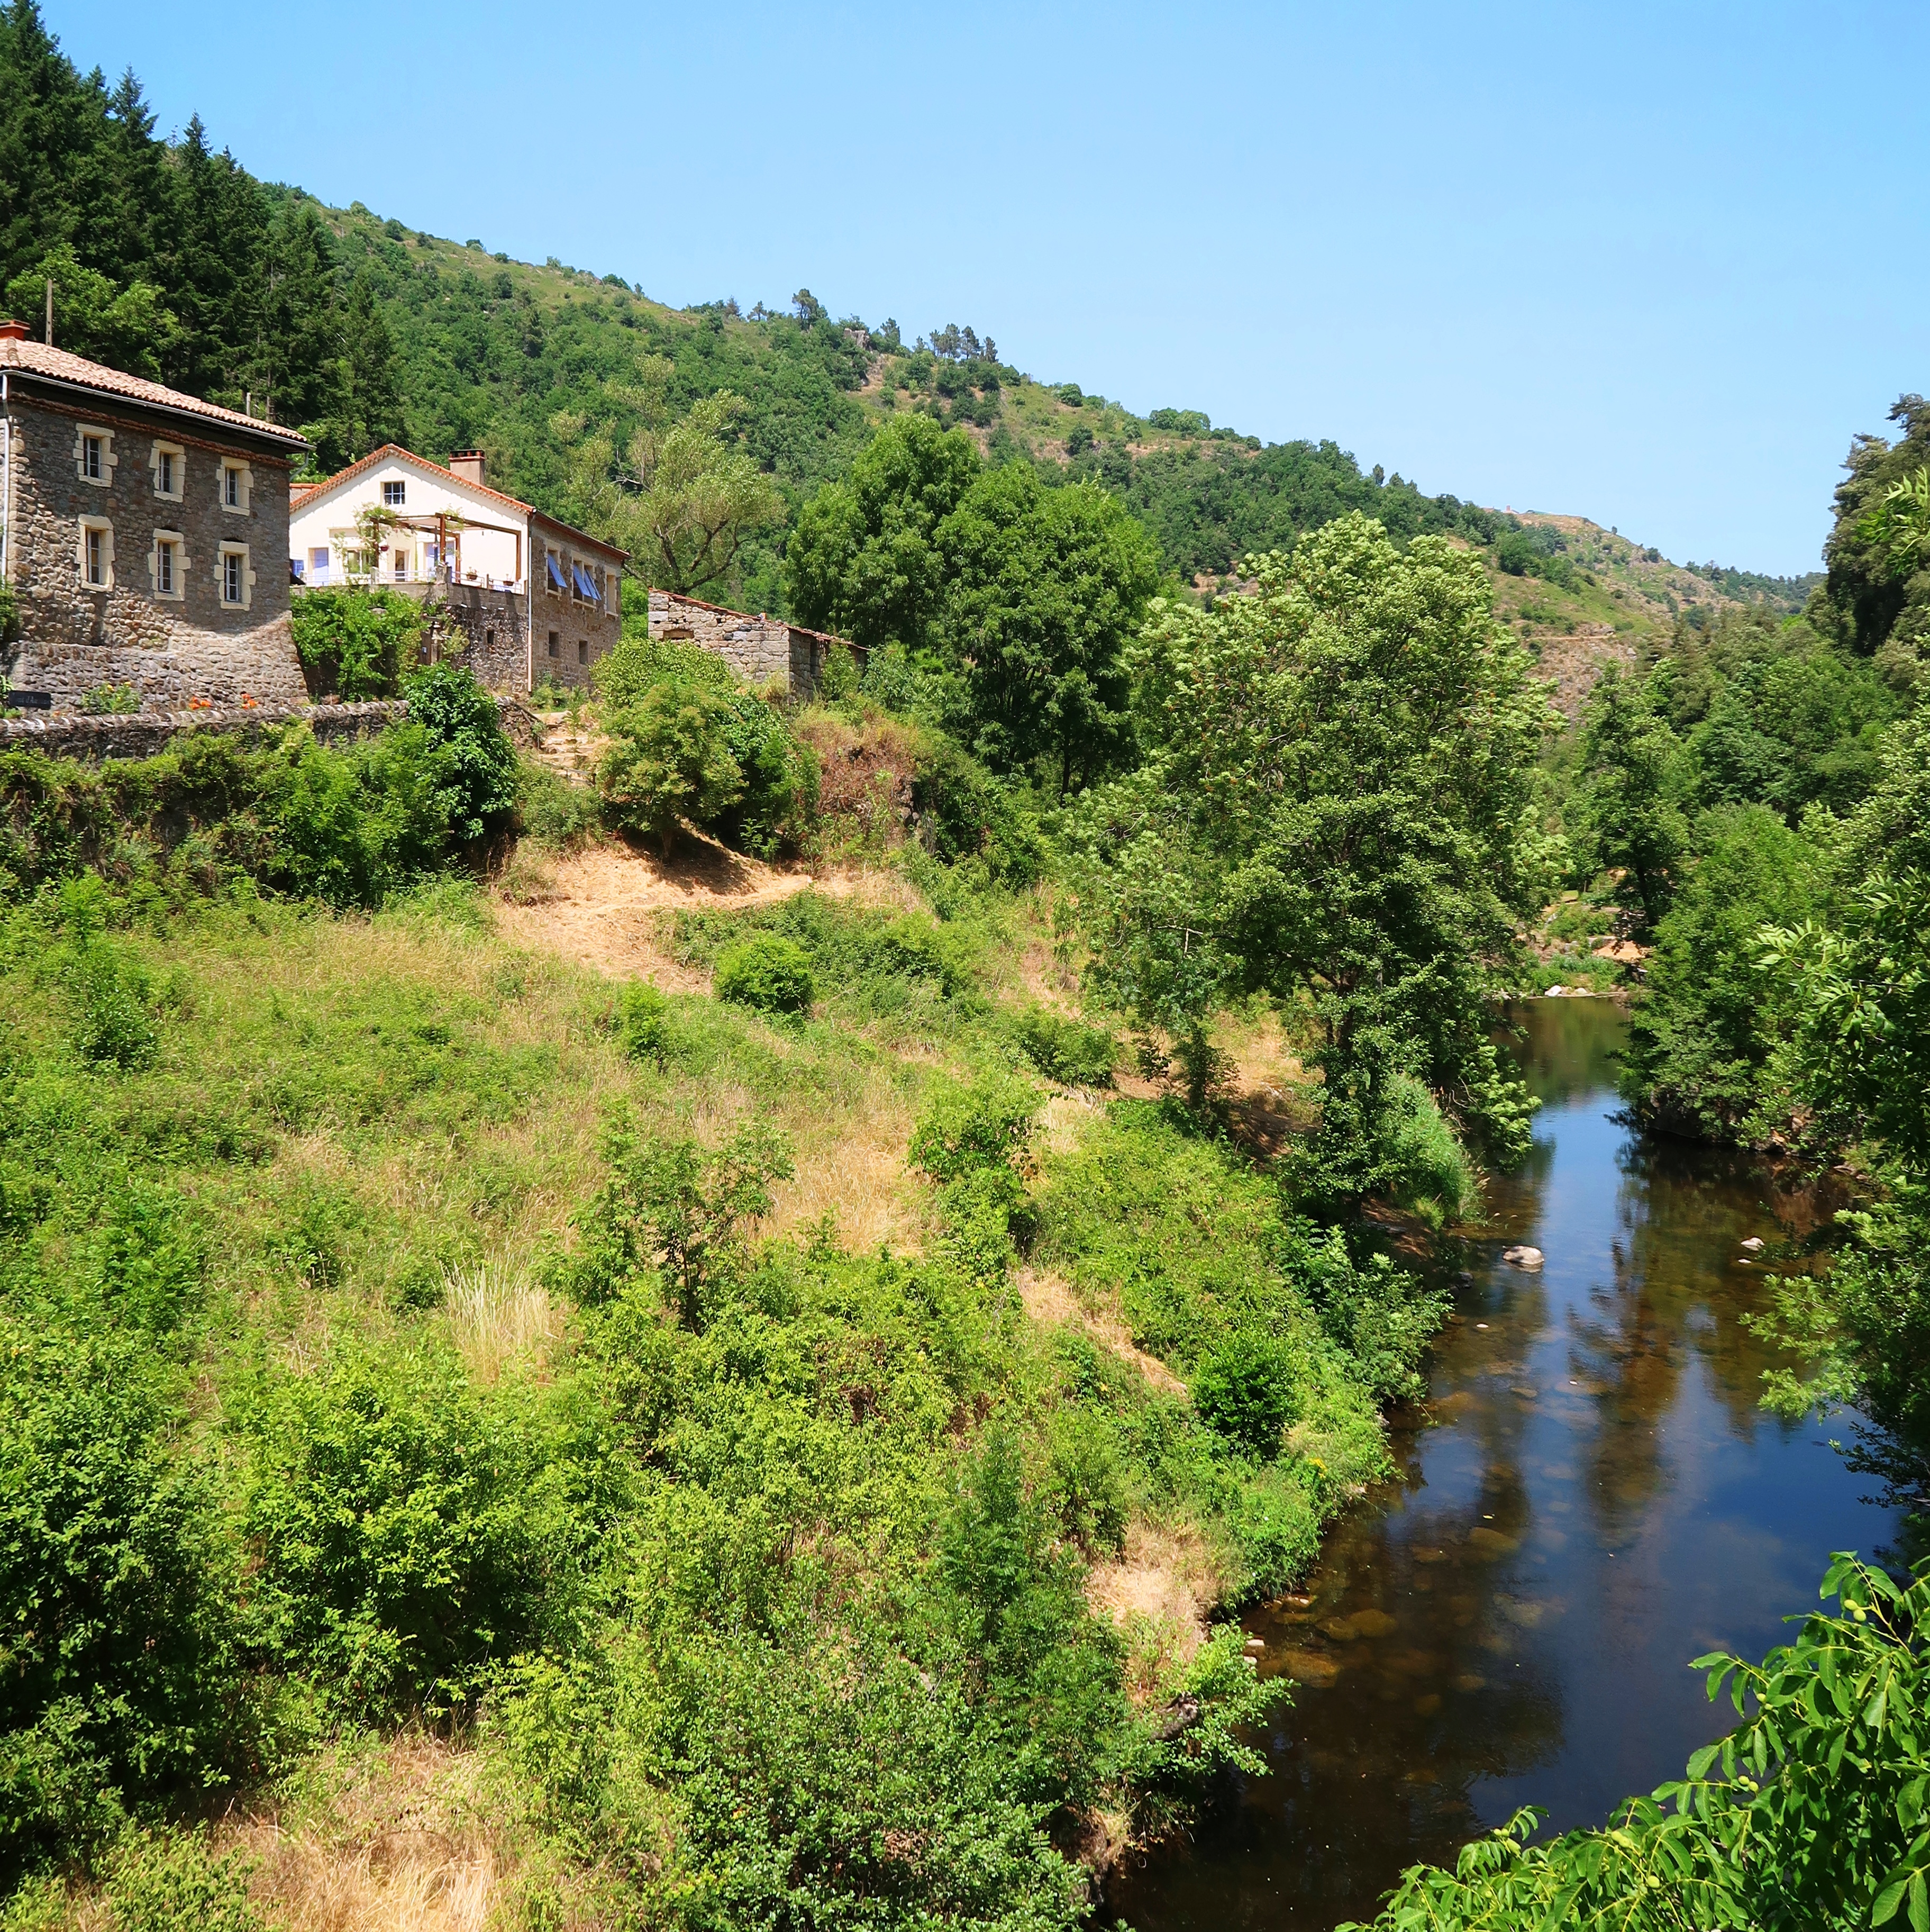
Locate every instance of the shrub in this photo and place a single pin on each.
(672, 1205)
(837, 679)
(10, 614)
(352, 642)
(477, 771)
(116, 1676)
(966, 1128)
(1245, 1394)
(1427, 1169)
(403, 1532)
(769, 973)
(670, 759)
(644, 1023)
(174, 1882)
(552, 814)
(1066, 1050)
(114, 1024)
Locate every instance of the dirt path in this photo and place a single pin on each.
(604, 908)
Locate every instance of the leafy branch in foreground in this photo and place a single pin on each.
(1810, 1814)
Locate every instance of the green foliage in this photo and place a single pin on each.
(905, 969)
(966, 1128)
(769, 973)
(1810, 1813)
(116, 1687)
(1876, 597)
(404, 1531)
(1633, 784)
(1045, 587)
(1333, 812)
(673, 1206)
(460, 721)
(552, 814)
(864, 560)
(644, 1023)
(670, 759)
(349, 827)
(1711, 1015)
(110, 700)
(685, 499)
(177, 1883)
(1245, 1391)
(1065, 1049)
(9, 615)
(354, 642)
(1535, 550)
(965, 813)
(1426, 1169)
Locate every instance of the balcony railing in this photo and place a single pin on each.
(320, 576)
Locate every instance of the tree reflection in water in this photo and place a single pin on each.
(1591, 1498)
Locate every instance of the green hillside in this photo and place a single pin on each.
(359, 329)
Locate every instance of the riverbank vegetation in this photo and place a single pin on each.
(778, 1444)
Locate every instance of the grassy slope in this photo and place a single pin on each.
(373, 1132)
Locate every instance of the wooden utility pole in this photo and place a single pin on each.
(50, 311)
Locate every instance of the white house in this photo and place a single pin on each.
(543, 600)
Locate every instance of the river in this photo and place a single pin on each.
(1591, 1497)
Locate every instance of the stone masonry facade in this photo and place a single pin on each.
(760, 650)
(159, 623)
(568, 632)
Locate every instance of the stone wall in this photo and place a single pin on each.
(169, 649)
(485, 630)
(146, 732)
(759, 648)
(569, 634)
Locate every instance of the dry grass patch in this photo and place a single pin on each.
(498, 1316)
(1050, 1300)
(1158, 1589)
(859, 1176)
(394, 1841)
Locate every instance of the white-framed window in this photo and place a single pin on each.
(235, 579)
(235, 484)
(394, 495)
(167, 463)
(167, 565)
(94, 553)
(94, 457)
(318, 564)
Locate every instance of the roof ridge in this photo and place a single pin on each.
(62, 365)
(361, 464)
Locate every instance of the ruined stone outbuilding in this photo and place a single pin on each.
(143, 533)
(760, 650)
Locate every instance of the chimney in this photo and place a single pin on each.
(13, 331)
(468, 464)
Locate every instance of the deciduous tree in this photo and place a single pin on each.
(1334, 811)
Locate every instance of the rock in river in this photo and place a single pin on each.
(1521, 1255)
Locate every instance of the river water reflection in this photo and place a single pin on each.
(1595, 1498)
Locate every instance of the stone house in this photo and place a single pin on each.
(759, 648)
(142, 532)
(529, 599)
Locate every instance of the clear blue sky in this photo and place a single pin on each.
(1653, 265)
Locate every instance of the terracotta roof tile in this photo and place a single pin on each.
(35, 358)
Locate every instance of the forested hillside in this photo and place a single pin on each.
(359, 329)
